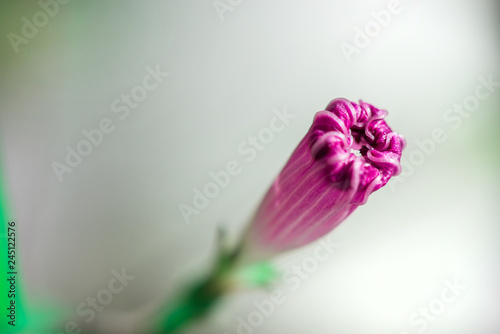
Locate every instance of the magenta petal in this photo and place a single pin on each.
(324, 180)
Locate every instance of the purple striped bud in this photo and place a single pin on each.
(348, 153)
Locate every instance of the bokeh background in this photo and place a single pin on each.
(231, 65)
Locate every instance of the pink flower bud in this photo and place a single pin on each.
(348, 153)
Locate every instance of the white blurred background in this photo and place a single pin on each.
(230, 64)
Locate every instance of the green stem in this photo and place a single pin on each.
(197, 302)
(201, 297)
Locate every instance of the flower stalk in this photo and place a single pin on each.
(202, 296)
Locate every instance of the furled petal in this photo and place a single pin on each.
(348, 153)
